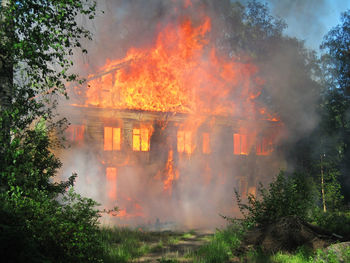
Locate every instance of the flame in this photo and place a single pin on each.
(206, 143)
(111, 176)
(180, 72)
(132, 209)
(252, 191)
(207, 173)
(122, 213)
(264, 145)
(240, 146)
(112, 139)
(75, 133)
(184, 141)
(171, 173)
(141, 138)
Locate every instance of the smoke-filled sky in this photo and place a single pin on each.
(309, 20)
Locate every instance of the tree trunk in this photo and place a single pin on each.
(322, 185)
(6, 72)
(6, 86)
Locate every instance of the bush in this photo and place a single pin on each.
(41, 221)
(41, 229)
(335, 222)
(285, 196)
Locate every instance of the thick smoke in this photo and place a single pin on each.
(204, 188)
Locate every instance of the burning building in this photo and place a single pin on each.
(173, 128)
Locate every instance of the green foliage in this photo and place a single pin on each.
(333, 196)
(332, 256)
(334, 130)
(303, 255)
(332, 150)
(337, 43)
(40, 221)
(27, 161)
(336, 222)
(41, 229)
(40, 35)
(292, 195)
(251, 30)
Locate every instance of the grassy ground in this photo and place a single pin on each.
(126, 245)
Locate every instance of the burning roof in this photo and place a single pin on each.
(180, 72)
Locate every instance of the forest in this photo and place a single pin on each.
(301, 215)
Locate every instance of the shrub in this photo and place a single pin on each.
(41, 229)
(40, 221)
(336, 222)
(285, 196)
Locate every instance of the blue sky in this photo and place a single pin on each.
(309, 20)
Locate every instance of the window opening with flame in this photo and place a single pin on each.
(75, 133)
(240, 146)
(111, 177)
(141, 139)
(206, 149)
(184, 142)
(264, 146)
(112, 139)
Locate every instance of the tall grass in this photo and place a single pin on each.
(221, 246)
(123, 244)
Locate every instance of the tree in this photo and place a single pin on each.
(336, 102)
(39, 220)
(337, 43)
(39, 37)
(295, 74)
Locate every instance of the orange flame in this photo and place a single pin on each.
(171, 172)
(181, 72)
(141, 138)
(206, 143)
(111, 176)
(111, 139)
(75, 133)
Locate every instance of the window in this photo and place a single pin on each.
(206, 143)
(112, 139)
(184, 142)
(141, 139)
(240, 146)
(264, 146)
(75, 133)
(111, 177)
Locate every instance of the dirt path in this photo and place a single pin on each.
(177, 248)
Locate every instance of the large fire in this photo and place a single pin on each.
(181, 72)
